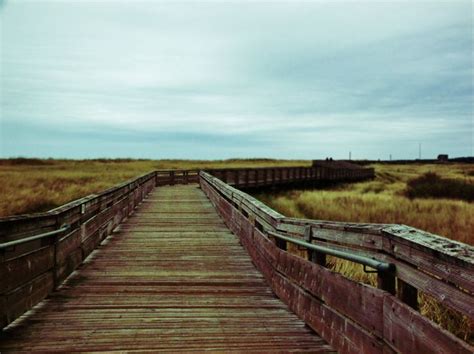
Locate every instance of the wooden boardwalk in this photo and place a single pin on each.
(172, 278)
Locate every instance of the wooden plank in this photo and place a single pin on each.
(26, 263)
(326, 284)
(344, 335)
(21, 270)
(17, 227)
(21, 299)
(323, 284)
(67, 244)
(173, 291)
(437, 255)
(409, 332)
(320, 231)
(444, 292)
(68, 265)
(360, 302)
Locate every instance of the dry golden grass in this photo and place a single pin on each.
(383, 200)
(29, 185)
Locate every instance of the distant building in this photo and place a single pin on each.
(443, 157)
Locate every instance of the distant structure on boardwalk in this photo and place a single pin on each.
(329, 162)
(443, 158)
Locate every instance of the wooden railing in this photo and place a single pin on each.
(39, 251)
(352, 316)
(274, 176)
(171, 177)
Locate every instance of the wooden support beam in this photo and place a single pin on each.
(407, 293)
(313, 256)
(386, 281)
(171, 177)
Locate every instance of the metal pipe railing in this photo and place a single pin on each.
(33, 238)
(366, 261)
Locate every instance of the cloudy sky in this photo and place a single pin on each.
(160, 79)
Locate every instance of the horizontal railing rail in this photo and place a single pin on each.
(7, 245)
(272, 176)
(350, 315)
(349, 256)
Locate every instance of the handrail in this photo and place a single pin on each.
(366, 261)
(20, 241)
(346, 312)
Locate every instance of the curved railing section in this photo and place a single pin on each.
(245, 178)
(351, 316)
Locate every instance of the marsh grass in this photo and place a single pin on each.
(430, 185)
(36, 185)
(384, 200)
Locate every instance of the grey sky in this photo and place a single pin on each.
(236, 79)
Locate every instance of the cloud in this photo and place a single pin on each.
(220, 80)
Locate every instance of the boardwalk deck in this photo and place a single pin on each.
(173, 277)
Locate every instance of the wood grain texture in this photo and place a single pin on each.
(171, 278)
(352, 317)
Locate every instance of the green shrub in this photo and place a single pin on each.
(430, 185)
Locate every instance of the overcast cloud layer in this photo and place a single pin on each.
(244, 79)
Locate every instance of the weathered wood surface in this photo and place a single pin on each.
(272, 176)
(172, 277)
(351, 316)
(91, 219)
(438, 266)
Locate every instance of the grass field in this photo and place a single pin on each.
(31, 185)
(28, 186)
(385, 200)
(390, 198)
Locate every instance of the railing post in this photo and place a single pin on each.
(55, 264)
(56, 238)
(265, 177)
(313, 256)
(172, 178)
(407, 293)
(224, 176)
(247, 177)
(281, 244)
(386, 281)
